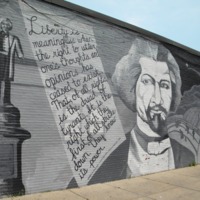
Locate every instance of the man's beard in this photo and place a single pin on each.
(156, 118)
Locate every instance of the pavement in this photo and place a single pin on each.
(183, 184)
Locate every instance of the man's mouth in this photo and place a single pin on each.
(154, 113)
(157, 116)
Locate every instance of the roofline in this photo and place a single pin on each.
(120, 23)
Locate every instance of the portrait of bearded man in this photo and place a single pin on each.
(148, 81)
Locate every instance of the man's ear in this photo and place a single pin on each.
(172, 76)
(173, 104)
(133, 95)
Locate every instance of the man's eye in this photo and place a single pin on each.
(147, 82)
(164, 85)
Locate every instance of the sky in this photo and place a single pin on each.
(177, 20)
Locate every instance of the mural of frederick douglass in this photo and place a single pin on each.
(148, 82)
(9, 47)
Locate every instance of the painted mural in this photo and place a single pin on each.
(96, 102)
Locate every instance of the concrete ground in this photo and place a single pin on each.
(183, 184)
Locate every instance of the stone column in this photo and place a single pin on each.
(12, 136)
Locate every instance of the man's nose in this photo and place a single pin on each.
(157, 98)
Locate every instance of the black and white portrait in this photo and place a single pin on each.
(148, 82)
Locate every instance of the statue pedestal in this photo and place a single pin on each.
(11, 139)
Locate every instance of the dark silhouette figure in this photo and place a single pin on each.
(9, 46)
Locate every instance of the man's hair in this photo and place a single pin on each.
(6, 21)
(128, 70)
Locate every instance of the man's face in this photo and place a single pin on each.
(4, 27)
(153, 93)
